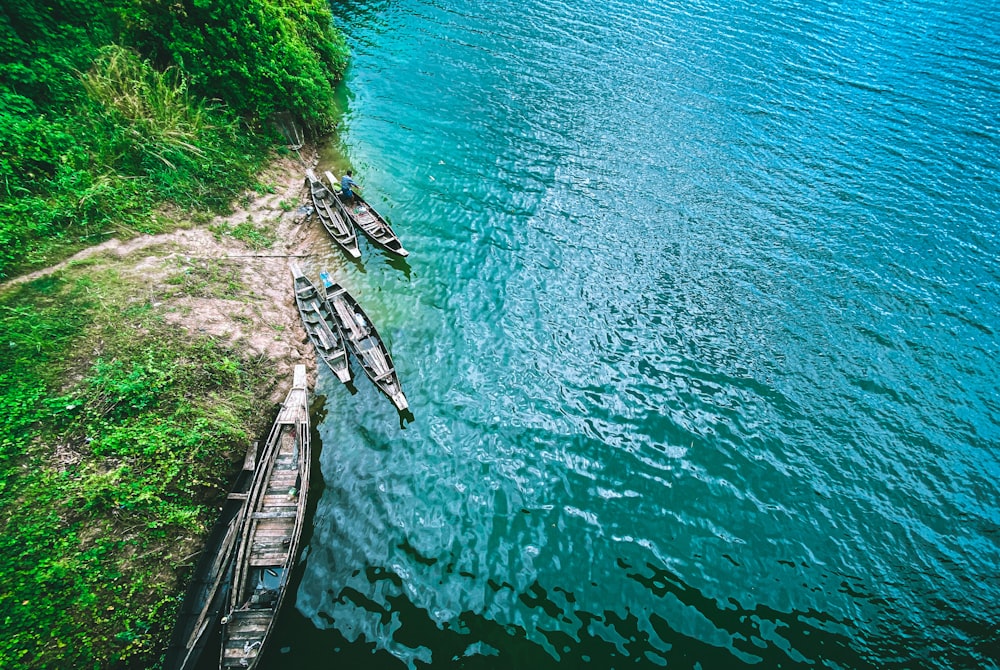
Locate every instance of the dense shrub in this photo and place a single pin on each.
(93, 135)
(259, 56)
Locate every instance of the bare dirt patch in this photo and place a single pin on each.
(205, 280)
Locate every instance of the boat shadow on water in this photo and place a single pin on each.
(405, 417)
(398, 263)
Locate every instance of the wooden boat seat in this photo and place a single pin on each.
(281, 499)
(264, 560)
(291, 514)
(382, 376)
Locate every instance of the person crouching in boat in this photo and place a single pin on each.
(346, 182)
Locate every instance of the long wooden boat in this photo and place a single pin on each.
(332, 216)
(321, 326)
(269, 541)
(364, 341)
(208, 592)
(370, 222)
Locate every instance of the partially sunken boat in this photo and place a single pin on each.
(364, 341)
(332, 216)
(370, 222)
(321, 326)
(269, 540)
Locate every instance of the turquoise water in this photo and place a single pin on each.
(699, 331)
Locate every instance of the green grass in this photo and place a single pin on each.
(95, 137)
(116, 429)
(99, 478)
(207, 278)
(254, 236)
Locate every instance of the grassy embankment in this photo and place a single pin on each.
(117, 434)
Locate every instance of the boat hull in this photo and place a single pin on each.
(272, 527)
(370, 222)
(365, 342)
(321, 326)
(208, 593)
(327, 207)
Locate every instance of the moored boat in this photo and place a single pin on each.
(364, 341)
(370, 222)
(208, 592)
(321, 326)
(272, 526)
(332, 215)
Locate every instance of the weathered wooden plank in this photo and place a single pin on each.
(268, 559)
(274, 531)
(250, 460)
(275, 515)
(280, 500)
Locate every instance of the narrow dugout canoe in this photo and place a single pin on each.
(327, 207)
(365, 342)
(269, 541)
(370, 222)
(321, 326)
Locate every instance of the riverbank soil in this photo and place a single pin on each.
(137, 373)
(232, 273)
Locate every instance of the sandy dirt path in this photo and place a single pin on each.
(261, 317)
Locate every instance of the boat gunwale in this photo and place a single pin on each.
(186, 647)
(347, 237)
(343, 372)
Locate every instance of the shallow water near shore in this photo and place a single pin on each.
(699, 332)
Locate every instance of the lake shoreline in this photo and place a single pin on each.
(217, 285)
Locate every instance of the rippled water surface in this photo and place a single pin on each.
(699, 330)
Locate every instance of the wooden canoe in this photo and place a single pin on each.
(272, 526)
(321, 326)
(208, 592)
(332, 216)
(370, 222)
(364, 341)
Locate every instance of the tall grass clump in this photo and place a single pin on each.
(160, 139)
(86, 157)
(157, 109)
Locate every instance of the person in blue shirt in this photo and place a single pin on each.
(345, 186)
